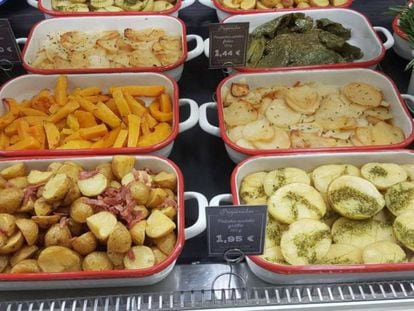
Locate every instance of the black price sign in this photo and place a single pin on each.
(9, 51)
(228, 44)
(236, 227)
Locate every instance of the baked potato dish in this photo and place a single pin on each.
(336, 213)
(69, 218)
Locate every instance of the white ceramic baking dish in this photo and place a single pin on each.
(402, 46)
(112, 278)
(284, 274)
(172, 25)
(364, 36)
(332, 77)
(223, 12)
(46, 7)
(25, 87)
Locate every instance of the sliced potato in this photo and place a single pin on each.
(93, 186)
(24, 253)
(96, 261)
(323, 175)
(296, 201)
(137, 232)
(59, 259)
(38, 177)
(122, 165)
(252, 189)
(355, 197)
(260, 129)
(119, 241)
(166, 180)
(85, 243)
(139, 257)
(303, 99)
(159, 225)
(400, 197)
(13, 244)
(284, 176)
(26, 266)
(386, 134)
(343, 254)
(274, 231)
(383, 252)
(307, 241)
(7, 224)
(239, 89)
(239, 113)
(56, 188)
(274, 254)
(166, 243)
(404, 229)
(101, 224)
(29, 229)
(16, 170)
(362, 94)
(383, 175)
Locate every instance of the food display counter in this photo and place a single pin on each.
(198, 281)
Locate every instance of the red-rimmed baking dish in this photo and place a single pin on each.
(111, 278)
(46, 7)
(223, 12)
(25, 87)
(330, 77)
(172, 26)
(285, 274)
(402, 46)
(363, 35)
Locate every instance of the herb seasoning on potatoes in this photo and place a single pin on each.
(336, 213)
(96, 219)
(308, 115)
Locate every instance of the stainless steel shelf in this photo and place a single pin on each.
(198, 295)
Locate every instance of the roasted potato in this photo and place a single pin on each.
(59, 259)
(139, 257)
(80, 211)
(42, 208)
(24, 253)
(38, 177)
(106, 170)
(56, 188)
(70, 169)
(7, 224)
(10, 200)
(26, 266)
(13, 244)
(27, 207)
(29, 229)
(137, 232)
(4, 261)
(3, 239)
(139, 191)
(156, 197)
(159, 225)
(119, 241)
(54, 167)
(141, 209)
(76, 228)
(101, 224)
(166, 243)
(93, 186)
(73, 194)
(122, 165)
(117, 259)
(18, 182)
(158, 255)
(46, 221)
(96, 261)
(16, 170)
(58, 235)
(85, 244)
(115, 184)
(169, 211)
(166, 180)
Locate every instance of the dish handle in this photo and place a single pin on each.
(186, 3)
(193, 118)
(199, 48)
(409, 101)
(21, 40)
(207, 47)
(204, 123)
(208, 3)
(33, 3)
(389, 42)
(221, 198)
(200, 225)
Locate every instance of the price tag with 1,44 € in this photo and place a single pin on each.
(236, 227)
(228, 44)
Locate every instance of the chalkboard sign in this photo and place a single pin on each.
(228, 44)
(236, 227)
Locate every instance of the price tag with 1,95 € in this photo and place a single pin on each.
(228, 44)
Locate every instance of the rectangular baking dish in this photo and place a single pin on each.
(283, 274)
(111, 278)
(363, 36)
(46, 7)
(172, 25)
(332, 77)
(26, 86)
(223, 12)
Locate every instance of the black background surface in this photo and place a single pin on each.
(201, 157)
